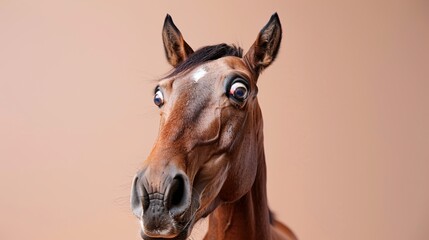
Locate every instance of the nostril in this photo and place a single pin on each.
(176, 196)
(178, 191)
(135, 199)
(139, 197)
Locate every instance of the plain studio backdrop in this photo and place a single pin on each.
(346, 110)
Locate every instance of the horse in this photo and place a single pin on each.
(208, 159)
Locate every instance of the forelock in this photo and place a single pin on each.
(206, 54)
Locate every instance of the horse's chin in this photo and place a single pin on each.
(183, 235)
(177, 234)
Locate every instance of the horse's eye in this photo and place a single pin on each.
(158, 99)
(239, 91)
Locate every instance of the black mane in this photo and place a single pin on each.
(206, 54)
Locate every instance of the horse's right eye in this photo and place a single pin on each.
(158, 99)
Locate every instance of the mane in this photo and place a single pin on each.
(206, 54)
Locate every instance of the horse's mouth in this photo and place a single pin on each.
(182, 234)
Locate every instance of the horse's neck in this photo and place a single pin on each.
(247, 218)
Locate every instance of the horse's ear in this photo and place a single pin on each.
(267, 44)
(176, 49)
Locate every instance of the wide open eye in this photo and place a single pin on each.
(238, 90)
(158, 99)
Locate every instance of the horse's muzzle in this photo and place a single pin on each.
(161, 200)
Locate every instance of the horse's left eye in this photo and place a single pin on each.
(158, 99)
(239, 91)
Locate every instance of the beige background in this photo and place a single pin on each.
(346, 109)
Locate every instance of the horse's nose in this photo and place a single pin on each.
(177, 195)
(157, 199)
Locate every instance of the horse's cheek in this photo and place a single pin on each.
(240, 178)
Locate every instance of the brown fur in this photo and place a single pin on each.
(212, 143)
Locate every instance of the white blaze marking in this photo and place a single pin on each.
(201, 72)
